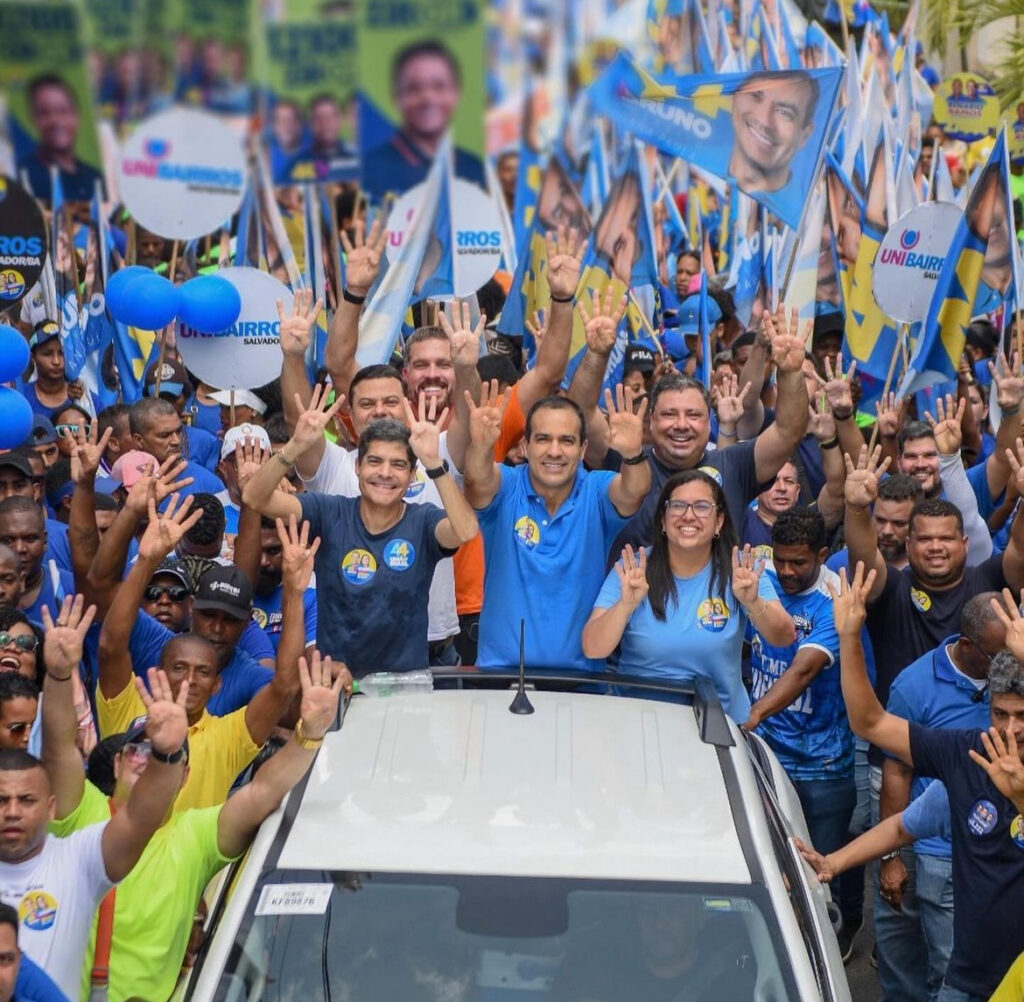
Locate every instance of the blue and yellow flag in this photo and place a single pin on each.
(983, 229)
(763, 131)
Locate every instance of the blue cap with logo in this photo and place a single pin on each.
(45, 330)
(689, 314)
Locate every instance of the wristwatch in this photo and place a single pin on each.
(438, 471)
(303, 741)
(174, 758)
(895, 854)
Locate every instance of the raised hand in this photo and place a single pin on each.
(314, 419)
(1008, 613)
(64, 640)
(850, 602)
(730, 401)
(821, 865)
(76, 389)
(746, 574)
(425, 430)
(601, 320)
(159, 486)
(297, 555)
(465, 338)
(947, 429)
(166, 720)
(1009, 383)
(363, 255)
(485, 418)
(632, 574)
(320, 695)
(165, 531)
(1002, 763)
(250, 455)
(820, 421)
(1015, 457)
(297, 325)
(625, 429)
(890, 416)
(565, 252)
(862, 479)
(788, 347)
(838, 387)
(86, 452)
(538, 327)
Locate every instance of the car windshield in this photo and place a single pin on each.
(357, 937)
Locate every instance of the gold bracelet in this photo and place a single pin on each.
(308, 743)
(283, 459)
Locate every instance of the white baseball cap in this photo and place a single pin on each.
(243, 398)
(240, 433)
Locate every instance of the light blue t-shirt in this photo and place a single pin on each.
(927, 816)
(700, 636)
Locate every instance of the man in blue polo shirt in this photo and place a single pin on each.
(798, 706)
(548, 526)
(947, 687)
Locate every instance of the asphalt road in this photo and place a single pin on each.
(863, 978)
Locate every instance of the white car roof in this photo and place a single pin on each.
(452, 782)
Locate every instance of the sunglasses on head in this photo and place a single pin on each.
(176, 593)
(23, 641)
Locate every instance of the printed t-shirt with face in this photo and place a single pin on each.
(701, 636)
(988, 859)
(733, 469)
(152, 915)
(56, 894)
(337, 475)
(372, 587)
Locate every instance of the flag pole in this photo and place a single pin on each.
(163, 334)
(898, 350)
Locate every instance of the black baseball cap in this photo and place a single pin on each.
(828, 323)
(176, 569)
(226, 589)
(18, 461)
(638, 358)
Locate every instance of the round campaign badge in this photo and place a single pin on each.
(415, 489)
(527, 532)
(710, 471)
(359, 566)
(922, 601)
(22, 242)
(983, 817)
(713, 614)
(399, 554)
(259, 617)
(1017, 831)
(38, 910)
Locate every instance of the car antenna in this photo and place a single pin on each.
(521, 703)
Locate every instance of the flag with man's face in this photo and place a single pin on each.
(980, 244)
(763, 131)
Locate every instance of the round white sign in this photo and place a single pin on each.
(248, 354)
(908, 261)
(181, 173)
(477, 233)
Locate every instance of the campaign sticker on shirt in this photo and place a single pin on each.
(527, 532)
(803, 626)
(415, 489)
(713, 614)
(399, 554)
(983, 817)
(1017, 831)
(260, 617)
(359, 566)
(715, 475)
(764, 552)
(37, 910)
(922, 601)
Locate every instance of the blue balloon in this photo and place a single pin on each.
(15, 418)
(209, 304)
(148, 302)
(14, 354)
(116, 285)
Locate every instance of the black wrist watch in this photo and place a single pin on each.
(438, 471)
(174, 758)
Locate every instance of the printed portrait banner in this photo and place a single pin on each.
(181, 173)
(212, 53)
(763, 131)
(245, 355)
(22, 242)
(421, 74)
(966, 107)
(1013, 118)
(909, 259)
(49, 98)
(311, 62)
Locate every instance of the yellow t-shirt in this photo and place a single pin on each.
(1011, 988)
(152, 911)
(219, 748)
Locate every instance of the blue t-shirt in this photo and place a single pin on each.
(256, 643)
(755, 533)
(56, 586)
(838, 561)
(266, 614)
(205, 416)
(930, 692)
(35, 985)
(203, 481)
(397, 164)
(701, 636)
(545, 569)
(203, 447)
(372, 588)
(57, 546)
(977, 477)
(988, 859)
(926, 817)
(811, 737)
(240, 679)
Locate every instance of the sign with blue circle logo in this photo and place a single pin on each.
(713, 614)
(983, 818)
(399, 554)
(359, 566)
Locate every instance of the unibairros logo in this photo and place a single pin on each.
(909, 239)
(906, 258)
(250, 331)
(156, 163)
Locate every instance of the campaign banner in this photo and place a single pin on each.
(22, 242)
(212, 53)
(1013, 119)
(478, 235)
(248, 353)
(310, 62)
(421, 74)
(763, 131)
(51, 119)
(181, 173)
(966, 107)
(910, 258)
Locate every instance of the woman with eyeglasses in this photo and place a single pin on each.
(67, 422)
(680, 609)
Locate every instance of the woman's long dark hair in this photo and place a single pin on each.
(662, 584)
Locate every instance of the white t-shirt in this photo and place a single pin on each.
(336, 474)
(56, 894)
